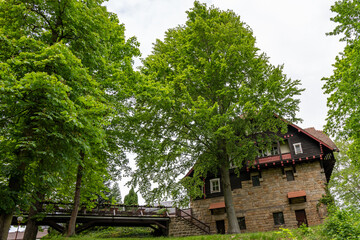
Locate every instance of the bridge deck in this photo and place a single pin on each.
(56, 216)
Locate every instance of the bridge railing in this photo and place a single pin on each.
(109, 210)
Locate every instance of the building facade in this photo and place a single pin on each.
(282, 188)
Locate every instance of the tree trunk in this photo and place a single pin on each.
(16, 182)
(31, 226)
(5, 222)
(233, 225)
(72, 223)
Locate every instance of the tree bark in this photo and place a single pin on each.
(233, 225)
(16, 182)
(31, 226)
(72, 223)
(5, 222)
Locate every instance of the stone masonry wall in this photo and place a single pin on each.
(179, 227)
(257, 204)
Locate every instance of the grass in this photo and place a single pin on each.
(112, 233)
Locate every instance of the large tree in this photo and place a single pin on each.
(343, 87)
(208, 99)
(65, 68)
(345, 179)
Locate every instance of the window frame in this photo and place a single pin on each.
(273, 150)
(297, 145)
(292, 175)
(240, 221)
(278, 221)
(212, 185)
(258, 176)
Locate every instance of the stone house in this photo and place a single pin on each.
(282, 188)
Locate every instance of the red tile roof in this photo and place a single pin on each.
(297, 194)
(217, 205)
(321, 136)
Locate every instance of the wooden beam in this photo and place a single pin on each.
(84, 227)
(160, 225)
(56, 226)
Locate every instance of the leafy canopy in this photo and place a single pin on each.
(343, 87)
(345, 178)
(65, 69)
(207, 96)
(131, 198)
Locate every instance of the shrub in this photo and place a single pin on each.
(343, 223)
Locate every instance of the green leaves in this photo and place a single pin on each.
(343, 86)
(345, 179)
(65, 74)
(207, 95)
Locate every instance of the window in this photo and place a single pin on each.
(278, 218)
(255, 180)
(284, 146)
(241, 221)
(289, 175)
(263, 153)
(297, 148)
(215, 185)
(275, 150)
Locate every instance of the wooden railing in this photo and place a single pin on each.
(108, 210)
(194, 221)
(119, 210)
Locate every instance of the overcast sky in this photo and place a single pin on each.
(290, 32)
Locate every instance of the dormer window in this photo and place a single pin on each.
(298, 148)
(215, 185)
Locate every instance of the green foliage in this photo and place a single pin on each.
(131, 198)
(343, 223)
(343, 86)
(327, 199)
(110, 195)
(345, 179)
(115, 194)
(141, 233)
(206, 97)
(65, 73)
(286, 233)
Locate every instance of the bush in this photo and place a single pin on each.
(343, 223)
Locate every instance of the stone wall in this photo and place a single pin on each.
(179, 227)
(257, 204)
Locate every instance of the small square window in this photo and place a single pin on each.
(290, 175)
(278, 218)
(298, 148)
(241, 221)
(275, 150)
(255, 180)
(215, 185)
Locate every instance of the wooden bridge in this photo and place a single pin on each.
(57, 215)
